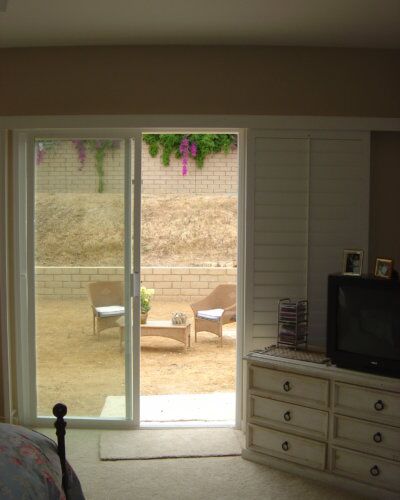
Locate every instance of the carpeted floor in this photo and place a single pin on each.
(215, 478)
(153, 444)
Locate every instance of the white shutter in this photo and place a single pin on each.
(307, 201)
(278, 210)
(339, 214)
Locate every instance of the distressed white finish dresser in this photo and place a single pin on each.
(338, 426)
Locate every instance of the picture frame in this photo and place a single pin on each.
(353, 262)
(383, 268)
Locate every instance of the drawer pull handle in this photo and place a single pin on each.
(378, 437)
(379, 405)
(287, 416)
(374, 471)
(285, 446)
(286, 386)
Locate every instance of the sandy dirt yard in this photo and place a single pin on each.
(76, 368)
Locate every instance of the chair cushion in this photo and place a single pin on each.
(106, 311)
(213, 314)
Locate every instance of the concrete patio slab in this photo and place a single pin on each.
(216, 407)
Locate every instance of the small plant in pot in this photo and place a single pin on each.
(145, 303)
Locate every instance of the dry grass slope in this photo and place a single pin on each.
(87, 230)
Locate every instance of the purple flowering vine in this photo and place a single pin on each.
(186, 148)
(80, 147)
(42, 147)
(40, 152)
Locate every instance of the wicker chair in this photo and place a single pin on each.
(106, 299)
(221, 306)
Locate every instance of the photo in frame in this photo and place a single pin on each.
(353, 262)
(383, 268)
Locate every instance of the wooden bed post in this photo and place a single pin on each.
(59, 411)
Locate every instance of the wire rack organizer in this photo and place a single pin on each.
(292, 323)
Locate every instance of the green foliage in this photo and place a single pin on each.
(206, 144)
(145, 299)
(100, 149)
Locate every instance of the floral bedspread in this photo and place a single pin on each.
(30, 467)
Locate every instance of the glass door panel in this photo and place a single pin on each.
(82, 269)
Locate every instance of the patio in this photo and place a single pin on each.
(214, 408)
(75, 367)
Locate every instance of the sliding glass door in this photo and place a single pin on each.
(83, 274)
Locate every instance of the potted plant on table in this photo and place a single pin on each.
(145, 303)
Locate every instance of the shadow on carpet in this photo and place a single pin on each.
(169, 443)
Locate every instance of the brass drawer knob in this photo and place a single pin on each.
(378, 437)
(285, 446)
(287, 416)
(379, 405)
(286, 386)
(374, 471)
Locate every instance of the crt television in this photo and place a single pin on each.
(363, 330)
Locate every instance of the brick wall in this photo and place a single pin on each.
(218, 176)
(169, 283)
(59, 173)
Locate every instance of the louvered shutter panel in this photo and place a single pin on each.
(339, 214)
(278, 199)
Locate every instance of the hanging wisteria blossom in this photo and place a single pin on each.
(81, 150)
(185, 149)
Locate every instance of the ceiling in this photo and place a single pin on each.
(322, 23)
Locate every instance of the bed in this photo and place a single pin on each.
(32, 466)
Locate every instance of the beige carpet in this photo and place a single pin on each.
(214, 478)
(169, 443)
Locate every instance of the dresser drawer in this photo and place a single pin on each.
(289, 386)
(286, 446)
(370, 404)
(366, 468)
(288, 417)
(375, 438)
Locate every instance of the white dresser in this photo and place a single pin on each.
(327, 423)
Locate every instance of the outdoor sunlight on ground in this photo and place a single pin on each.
(75, 367)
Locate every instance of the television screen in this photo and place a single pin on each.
(368, 321)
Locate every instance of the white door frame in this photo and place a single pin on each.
(24, 197)
(24, 271)
(5, 386)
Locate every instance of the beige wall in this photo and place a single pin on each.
(200, 80)
(385, 200)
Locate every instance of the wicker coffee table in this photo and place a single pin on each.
(181, 333)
